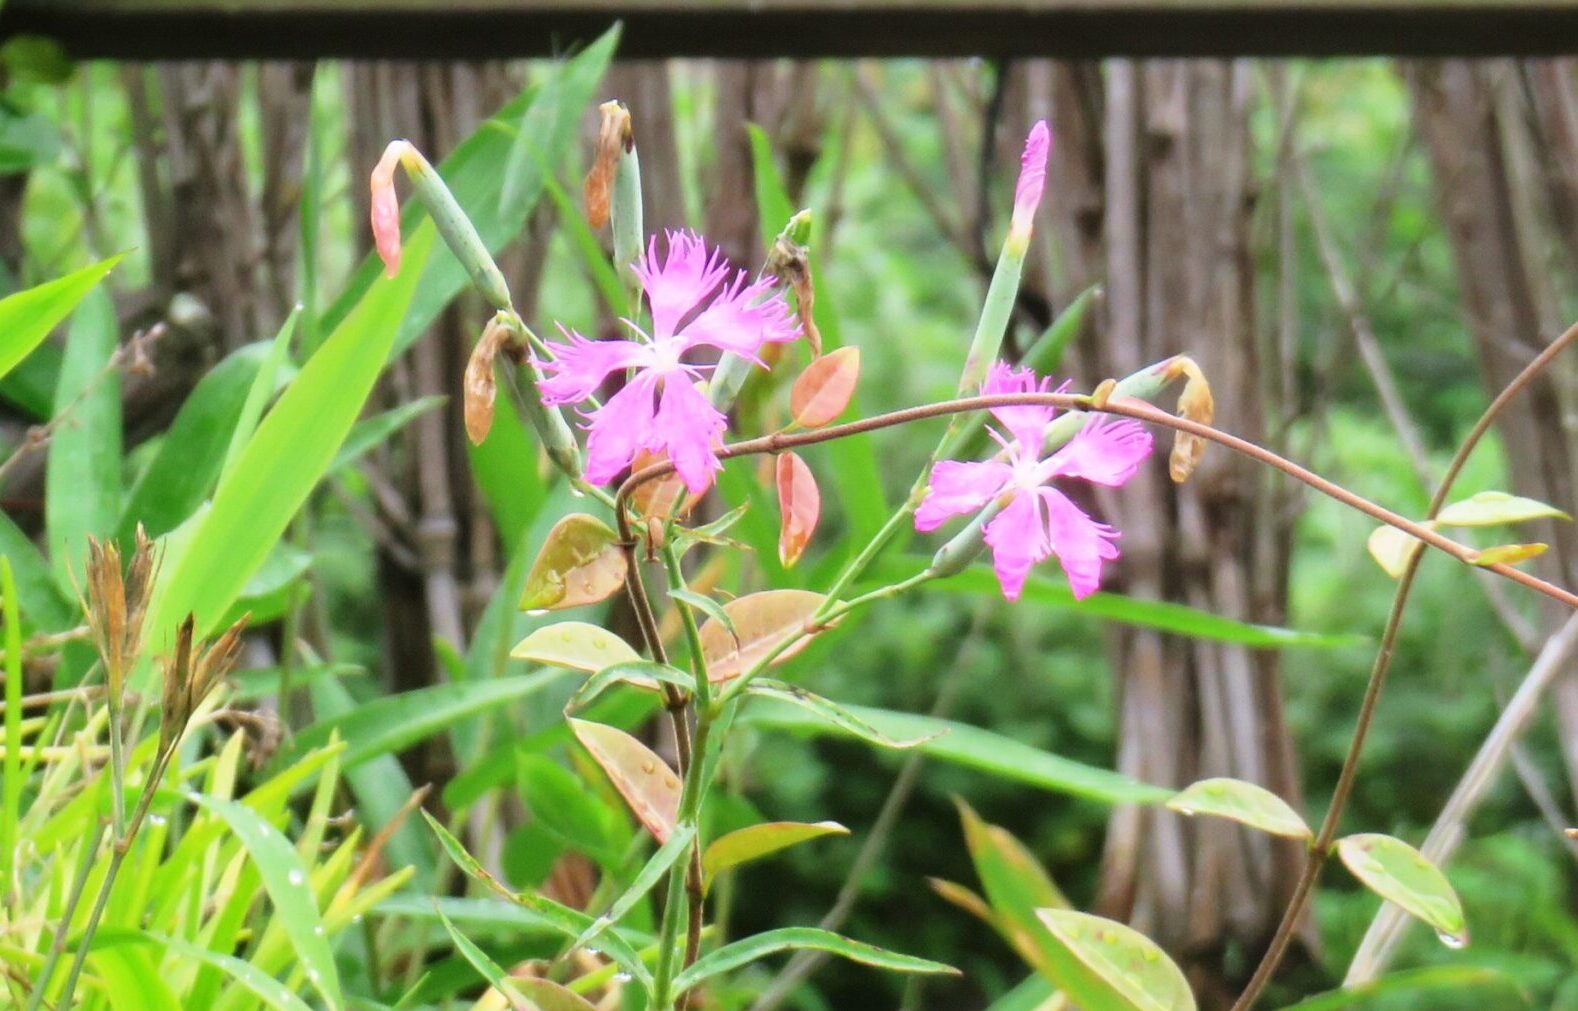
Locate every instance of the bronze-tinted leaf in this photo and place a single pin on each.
(661, 498)
(822, 392)
(649, 786)
(580, 563)
(799, 507)
(761, 621)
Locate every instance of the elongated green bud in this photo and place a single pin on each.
(456, 229)
(557, 438)
(790, 244)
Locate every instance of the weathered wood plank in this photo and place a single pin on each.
(155, 29)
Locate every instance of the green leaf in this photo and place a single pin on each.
(283, 461)
(1246, 803)
(285, 880)
(44, 603)
(651, 873)
(1137, 971)
(832, 713)
(28, 316)
(575, 645)
(82, 483)
(974, 748)
(370, 432)
(391, 723)
(750, 949)
(1412, 985)
(563, 805)
(274, 370)
(130, 980)
(559, 999)
(756, 841)
(509, 467)
(273, 993)
(1490, 508)
(183, 471)
(1158, 614)
(641, 673)
(1399, 873)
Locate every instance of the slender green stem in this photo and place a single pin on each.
(58, 946)
(1321, 848)
(117, 766)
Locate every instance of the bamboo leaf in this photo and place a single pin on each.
(82, 483)
(28, 316)
(833, 713)
(283, 461)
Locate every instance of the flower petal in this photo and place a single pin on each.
(960, 487)
(678, 282)
(1081, 544)
(742, 318)
(580, 366)
(1032, 178)
(619, 428)
(691, 429)
(1105, 451)
(1018, 538)
(1027, 424)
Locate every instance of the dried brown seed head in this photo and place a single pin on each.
(614, 138)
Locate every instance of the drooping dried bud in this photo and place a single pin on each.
(480, 387)
(1194, 404)
(614, 138)
(386, 206)
(790, 262)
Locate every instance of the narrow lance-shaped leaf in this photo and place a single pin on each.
(651, 873)
(799, 507)
(1131, 964)
(28, 316)
(1246, 803)
(756, 841)
(823, 391)
(744, 952)
(580, 563)
(1399, 873)
(641, 673)
(835, 714)
(649, 786)
(524, 993)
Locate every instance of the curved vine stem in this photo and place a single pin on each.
(1320, 849)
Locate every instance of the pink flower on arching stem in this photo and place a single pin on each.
(696, 299)
(1036, 520)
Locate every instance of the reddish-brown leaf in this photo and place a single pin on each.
(761, 621)
(643, 779)
(799, 507)
(825, 388)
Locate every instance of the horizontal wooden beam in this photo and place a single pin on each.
(442, 29)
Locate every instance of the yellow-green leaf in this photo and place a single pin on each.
(1246, 803)
(1137, 971)
(1489, 508)
(756, 841)
(1399, 873)
(1391, 549)
(1507, 554)
(575, 645)
(28, 316)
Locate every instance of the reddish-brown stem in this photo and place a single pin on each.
(1139, 410)
(1320, 849)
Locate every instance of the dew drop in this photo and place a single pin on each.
(670, 782)
(537, 612)
(318, 930)
(156, 819)
(313, 975)
(297, 878)
(621, 977)
(1453, 941)
(648, 766)
(576, 492)
(1187, 812)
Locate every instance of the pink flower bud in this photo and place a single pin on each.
(1032, 178)
(386, 206)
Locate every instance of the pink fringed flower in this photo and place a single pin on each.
(1036, 520)
(696, 298)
